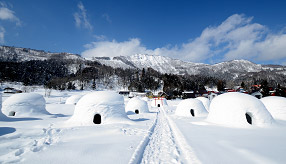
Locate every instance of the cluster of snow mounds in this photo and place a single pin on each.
(191, 108)
(276, 106)
(100, 107)
(25, 104)
(73, 99)
(159, 102)
(136, 105)
(239, 110)
(205, 101)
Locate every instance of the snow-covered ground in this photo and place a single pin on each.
(156, 137)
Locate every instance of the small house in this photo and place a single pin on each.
(124, 93)
(11, 90)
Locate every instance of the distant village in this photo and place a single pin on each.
(257, 91)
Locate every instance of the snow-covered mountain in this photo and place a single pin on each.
(17, 54)
(161, 64)
(175, 66)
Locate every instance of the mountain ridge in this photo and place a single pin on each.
(162, 64)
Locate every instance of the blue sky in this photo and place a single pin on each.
(198, 31)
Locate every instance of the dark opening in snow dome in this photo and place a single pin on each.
(137, 111)
(97, 119)
(248, 118)
(258, 96)
(158, 105)
(12, 113)
(192, 112)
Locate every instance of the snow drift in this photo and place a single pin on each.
(239, 110)
(73, 99)
(205, 101)
(106, 106)
(191, 108)
(276, 106)
(25, 104)
(136, 105)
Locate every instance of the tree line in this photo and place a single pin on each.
(56, 74)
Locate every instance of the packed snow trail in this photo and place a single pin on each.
(161, 145)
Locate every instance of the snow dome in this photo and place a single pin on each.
(2, 116)
(191, 108)
(145, 99)
(101, 107)
(25, 104)
(73, 99)
(205, 101)
(158, 102)
(239, 110)
(136, 105)
(276, 106)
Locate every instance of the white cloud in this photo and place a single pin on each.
(7, 15)
(235, 38)
(100, 37)
(114, 48)
(107, 18)
(2, 35)
(80, 17)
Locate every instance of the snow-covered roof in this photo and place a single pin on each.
(109, 105)
(73, 99)
(233, 109)
(136, 104)
(276, 106)
(25, 104)
(156, 101)
(191, 108)
(205, 101)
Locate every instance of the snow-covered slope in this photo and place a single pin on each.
(175, 66)
(17, 54)
(159, 63)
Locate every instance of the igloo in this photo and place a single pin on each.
(73, 99)
(101, 107)
(158, 102)
(145, 99)
(2, 116)
(276, 106)
(205, 101)
(25, 104)
(136, 105)
(191, 108)
(239, 110)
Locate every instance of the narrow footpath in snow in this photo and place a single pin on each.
(164, 144)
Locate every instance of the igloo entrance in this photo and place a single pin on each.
(137, 111)
(97, 119)
(192, 112)
(158, 105)
(12, 113)
(248, 118)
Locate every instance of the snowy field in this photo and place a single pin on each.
(157, 136)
